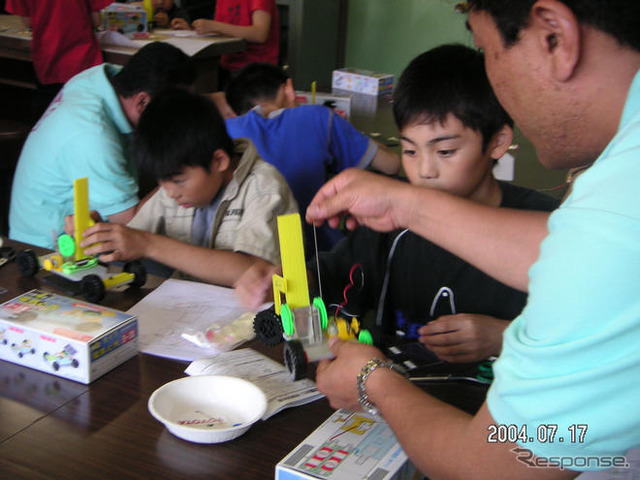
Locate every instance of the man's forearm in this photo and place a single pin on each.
(444, 442)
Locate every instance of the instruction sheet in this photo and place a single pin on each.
(271, 377)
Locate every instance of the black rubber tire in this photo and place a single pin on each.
(139, 272)
(93, 288)
(295, 359)
(28, 264)
(268, 327)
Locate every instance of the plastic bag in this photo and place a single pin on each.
(224, 335)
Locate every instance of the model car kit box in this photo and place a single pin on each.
(348, 445)
(64, 336)
(339, 103)
(362, 81)
(129, 20)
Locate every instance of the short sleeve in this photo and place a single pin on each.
(349, 147)
(569, 358)
(18, 7)
(265, 5)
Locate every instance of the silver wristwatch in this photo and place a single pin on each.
(367, 370)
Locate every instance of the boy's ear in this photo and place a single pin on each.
(141, 100)
(289, 93)
(559, 36)
(501, 142)
(220, 161)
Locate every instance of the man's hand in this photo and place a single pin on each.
(365, 198)
(463, 337)
(112, 242)
(254, 287)
(337, 378)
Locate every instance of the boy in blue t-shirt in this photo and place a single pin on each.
(306, 143)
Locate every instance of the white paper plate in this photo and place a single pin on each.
(208, 408)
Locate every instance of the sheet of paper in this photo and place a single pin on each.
(117, 39)
(272, 377)
(183, 33)
(180, 307)
(190, 45)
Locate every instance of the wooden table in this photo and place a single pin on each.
(15, 46)
(52, 428)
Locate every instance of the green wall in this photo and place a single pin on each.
(384, 35)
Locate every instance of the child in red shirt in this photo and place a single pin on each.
(254, 20)
(63, 43)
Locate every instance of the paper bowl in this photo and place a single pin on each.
(208, 408)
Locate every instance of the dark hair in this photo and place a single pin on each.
(449, 79)
(178, 129)
(154, 68)
(618, 18)
(252, 83)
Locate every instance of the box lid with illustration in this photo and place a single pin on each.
(348, 445)
(129, 20)
(362, 81)
(65, 336)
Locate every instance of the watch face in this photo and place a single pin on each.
(371, 410)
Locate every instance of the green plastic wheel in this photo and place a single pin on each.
(286, 317)
(322, 311)
(365, 337)
(66, 245)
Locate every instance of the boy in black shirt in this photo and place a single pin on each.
(452, 131)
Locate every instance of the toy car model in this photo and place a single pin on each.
(78, 272)
(304, 326)
(23, 348)
(63, 358)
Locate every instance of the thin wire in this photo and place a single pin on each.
(315, 244)
(385, 282)
(346, 289)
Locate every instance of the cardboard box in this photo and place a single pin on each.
(361, 104)
(65, 336)
(129, 20)
(346, 446)
(362, 81)
(339, 102)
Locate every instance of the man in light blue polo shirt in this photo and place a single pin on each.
(85, 133)
(565, 394)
